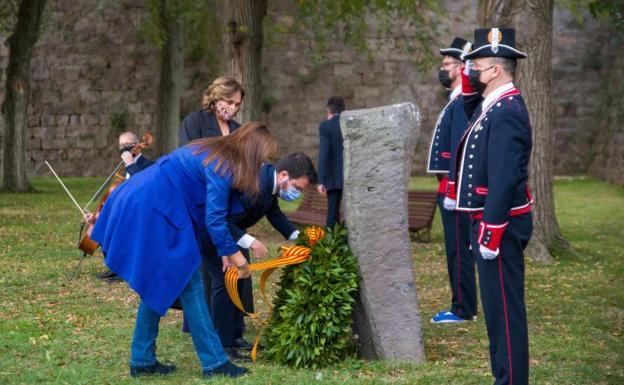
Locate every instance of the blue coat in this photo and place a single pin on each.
(265, 204)
(493, 158)
(330, 158)
(202, 124)
(164, 208)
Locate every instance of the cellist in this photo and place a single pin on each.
(133, 163)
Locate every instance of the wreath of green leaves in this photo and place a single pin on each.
(311, 322)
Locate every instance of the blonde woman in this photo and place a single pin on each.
(220, 103)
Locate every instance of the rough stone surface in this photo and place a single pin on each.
(378, 152)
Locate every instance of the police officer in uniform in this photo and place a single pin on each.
(492, 174)
(451, 124)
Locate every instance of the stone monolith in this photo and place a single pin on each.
(379, 146)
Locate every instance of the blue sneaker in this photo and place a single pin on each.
(446, 317)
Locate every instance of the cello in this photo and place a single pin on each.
(86, 244)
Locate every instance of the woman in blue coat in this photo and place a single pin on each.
(162, 210)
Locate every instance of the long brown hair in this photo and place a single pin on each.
(241, 153)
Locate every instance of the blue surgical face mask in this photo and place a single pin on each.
(290, 194)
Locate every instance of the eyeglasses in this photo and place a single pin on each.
(449, 66)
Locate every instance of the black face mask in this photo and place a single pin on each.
(475, 82)
(124, 149)
(445, 79)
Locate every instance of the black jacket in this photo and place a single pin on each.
(330, 161)
(202, 124)
(264, 205)
(140, 164)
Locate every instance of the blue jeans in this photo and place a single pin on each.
(206, 340)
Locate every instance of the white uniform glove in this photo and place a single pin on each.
(449, 204)
(487, 253)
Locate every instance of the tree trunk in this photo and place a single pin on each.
(171, 78)
(533, 21)
(15, 108)
(243, 44)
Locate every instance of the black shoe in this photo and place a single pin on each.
(227, 369)
(157, 368)
(105, 274)
(113, 278)
(243, 344)
(236, 355)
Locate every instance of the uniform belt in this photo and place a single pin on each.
(512, 213)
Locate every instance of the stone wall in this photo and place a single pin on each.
(93, 77)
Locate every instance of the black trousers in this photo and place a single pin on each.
(334, 197)
(227, 319)
(501, 281)
(460, 261)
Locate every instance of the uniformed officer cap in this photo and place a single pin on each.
(459, 47)
(495, 42)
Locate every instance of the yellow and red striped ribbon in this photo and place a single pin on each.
(291, 255)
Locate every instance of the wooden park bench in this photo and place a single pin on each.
(421, 211)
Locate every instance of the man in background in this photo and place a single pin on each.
(330, 160)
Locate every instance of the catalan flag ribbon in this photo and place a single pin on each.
(292, 255)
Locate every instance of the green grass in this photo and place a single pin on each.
(57, 331)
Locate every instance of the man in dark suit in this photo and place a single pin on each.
(330, 159)
(134, 164)
(492, 175)
(286, 181)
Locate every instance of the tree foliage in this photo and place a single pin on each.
(202, 28)
(8, 15)
(321, 23)
(610, 11)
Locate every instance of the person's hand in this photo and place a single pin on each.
(259, 249)
(487, 253)
(449, 204)
(238, 260)
(321, 189)
(87, 217)
(226, 264)
(127, 157)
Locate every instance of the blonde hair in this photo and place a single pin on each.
(224, 87)
(241, 154)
